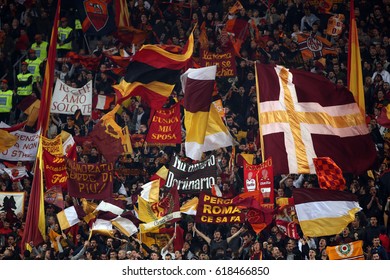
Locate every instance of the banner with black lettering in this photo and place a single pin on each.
(192, 178)
(260, 177)
(90, 181)
(165, 127)
(217, 210)
(25, 149)
(67, 99)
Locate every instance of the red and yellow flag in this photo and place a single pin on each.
(355, 74)
(35, 220)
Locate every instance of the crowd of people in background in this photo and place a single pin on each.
(24, 35)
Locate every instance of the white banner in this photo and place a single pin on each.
(25, 149)
(12, 202)
(66, 99)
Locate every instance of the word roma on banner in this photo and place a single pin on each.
(25, 149)
(66, 99)
(90, 181)
(192, 178)
(217, 210)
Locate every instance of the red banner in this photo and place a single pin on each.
(54, 170)
(226, 63)
(217, 210)
(165, 128)
(260, 177)
(90, 181)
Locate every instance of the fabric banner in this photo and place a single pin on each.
(304, 116)
(348, 251)
(260, 177)
(217, 210)
(55, 196)
(25, 149)
(66, 99)
(165, 126)
(192, 178)
(55, 170)
(90, 181)
(53, 146)
(225, 62)
(12, 202)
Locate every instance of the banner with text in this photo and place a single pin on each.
(217, 210)
(192, 178)
(165, 127)
(90, 181)
(53, 146)
(55, 170)
(66, 99)
(25, 149)
(226, 62)
(260, 177)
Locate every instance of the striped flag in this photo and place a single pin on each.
(103, 102)
(324, 212)
(348, 251)
(70, 216)
(35, 228)
(355, 74)
(304, 116)
(153, 73)
(205, 130)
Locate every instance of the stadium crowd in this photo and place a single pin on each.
(24, 36)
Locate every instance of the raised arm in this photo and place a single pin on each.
(201, 234)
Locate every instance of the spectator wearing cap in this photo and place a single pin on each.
(34, 65)
(5, 101)
(65, 38)
(40, 47)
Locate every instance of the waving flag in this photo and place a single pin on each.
(324, 212)
(153, 73)
(304, 116)
(355, 74)
(35, 228)
(329, 175)
(314, 46)
(205, 130)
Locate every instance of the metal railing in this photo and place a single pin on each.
(18, 64)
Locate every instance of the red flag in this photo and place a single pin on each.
(288, 228)
(329, 175)
(304, 116)
(90, 62)
(35, 228)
